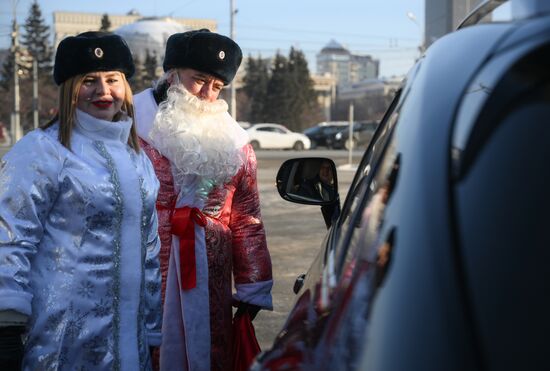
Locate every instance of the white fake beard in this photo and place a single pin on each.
(198, 137)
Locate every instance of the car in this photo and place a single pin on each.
(323, 133)
(275, 136)
(362, 135)
(438, 257)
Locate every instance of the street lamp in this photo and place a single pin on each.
(412, 17)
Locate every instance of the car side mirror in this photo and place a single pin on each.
(311, 180)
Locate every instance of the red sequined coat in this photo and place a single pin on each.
(235, 244)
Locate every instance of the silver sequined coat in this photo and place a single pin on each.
(79, 248)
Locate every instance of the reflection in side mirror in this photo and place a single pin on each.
(310, 181)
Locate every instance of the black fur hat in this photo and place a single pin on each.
(203, 51)
(91, 52)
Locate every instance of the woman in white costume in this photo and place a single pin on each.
(79, 271)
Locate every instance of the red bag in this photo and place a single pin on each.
(245, 344)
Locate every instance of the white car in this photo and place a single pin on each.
(275, 136)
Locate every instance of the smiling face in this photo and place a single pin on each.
(202, 85)
(102, 94)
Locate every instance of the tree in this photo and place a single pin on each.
(136, 82)
(149, 68)
(35, 39)
(304, 108)
(7, 72)
(283, 94)
(255, 86)
(34, 42)
(105, 23)
(279, 96)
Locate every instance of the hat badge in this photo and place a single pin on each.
(98, 52)
(221, 55)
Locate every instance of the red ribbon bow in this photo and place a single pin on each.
(183, 226)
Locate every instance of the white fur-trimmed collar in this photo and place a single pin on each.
(146, 108)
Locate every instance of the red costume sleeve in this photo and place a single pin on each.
(251, 259)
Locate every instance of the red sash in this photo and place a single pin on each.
(183, 226)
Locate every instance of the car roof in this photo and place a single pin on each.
(333, 123)
(266, 124)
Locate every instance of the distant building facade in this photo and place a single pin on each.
(370, 97)
(370, 88)
(145, 35)
(324, 86)
(443, 16)
(345, 67)
(72, 23)
(149, 36)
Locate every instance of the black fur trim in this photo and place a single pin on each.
(203, 51)
(91, 52)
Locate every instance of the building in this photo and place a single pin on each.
(72, 23)
(324, 86)
(443, 16)
(369, 88)
(370, 98)
(149, 35)
(143, 34)
(345, 67)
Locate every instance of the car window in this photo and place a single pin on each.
(364, 184)
(367, 240)
(365, 165)
(371, 126)
(368, 186)
(333, 129)
(372, 153)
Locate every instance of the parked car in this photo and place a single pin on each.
(323, 134)
(275, 136)
(438, 257)
(362, 135)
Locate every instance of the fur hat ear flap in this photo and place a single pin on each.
(92, 52)
(204, 51)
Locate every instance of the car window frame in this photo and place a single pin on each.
(336, 231)
(340, 236)
(364, 193)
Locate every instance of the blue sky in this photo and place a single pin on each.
(379, 28)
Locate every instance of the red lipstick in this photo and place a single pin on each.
(102, 103)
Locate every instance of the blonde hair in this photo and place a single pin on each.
(66, 115)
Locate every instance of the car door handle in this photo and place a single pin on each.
(299, 283)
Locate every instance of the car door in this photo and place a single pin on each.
(284, 137)
(296, 347)
(267, 136)
(328, 134)
(360, 243)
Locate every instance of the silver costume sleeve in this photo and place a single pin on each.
(28, 189)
